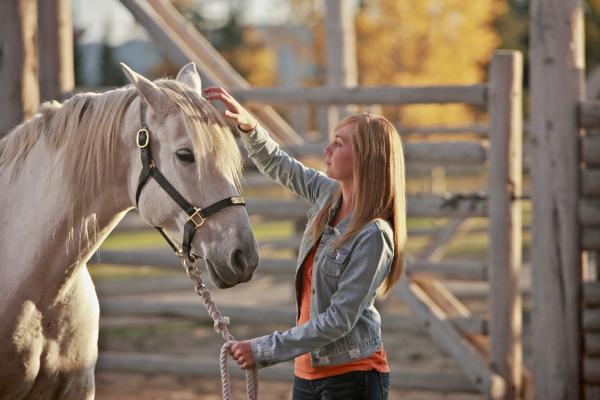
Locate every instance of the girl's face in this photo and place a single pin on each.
(339, 156)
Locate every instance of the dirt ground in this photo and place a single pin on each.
(410, 352)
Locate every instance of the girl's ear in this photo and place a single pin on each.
(145, 88)
(190, 77)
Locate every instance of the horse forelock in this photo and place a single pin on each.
(213, 144)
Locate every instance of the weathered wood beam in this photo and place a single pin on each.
(556, 83)
(436, 323)
(468, 94)
(55, 44)
(156, 363)
(505, 230)
(19, 90)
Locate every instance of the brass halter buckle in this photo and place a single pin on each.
(137, 139)
(196, 218)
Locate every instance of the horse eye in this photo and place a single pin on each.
(185, 155)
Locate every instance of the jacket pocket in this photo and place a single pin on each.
(335, 259)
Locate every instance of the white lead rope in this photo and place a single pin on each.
(221, 326)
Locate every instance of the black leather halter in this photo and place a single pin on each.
(196, 215)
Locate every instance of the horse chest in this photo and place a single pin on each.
(52, 353)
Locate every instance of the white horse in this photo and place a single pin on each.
(67, 177)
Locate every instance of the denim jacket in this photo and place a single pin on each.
(344, 324)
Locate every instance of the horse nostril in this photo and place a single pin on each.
(237, 260)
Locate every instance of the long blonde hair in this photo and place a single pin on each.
(379, 185)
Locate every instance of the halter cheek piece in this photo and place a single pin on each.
(196, 215)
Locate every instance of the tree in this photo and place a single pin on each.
(418, 42)
(242, 46)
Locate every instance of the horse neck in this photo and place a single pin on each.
(48, 234)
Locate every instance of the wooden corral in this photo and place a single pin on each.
(564, 147)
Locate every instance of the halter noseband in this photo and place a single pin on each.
(196, 215)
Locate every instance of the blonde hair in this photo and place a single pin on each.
(378, 164)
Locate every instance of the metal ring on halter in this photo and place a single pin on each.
(147, 138)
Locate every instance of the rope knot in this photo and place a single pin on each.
(221, 324)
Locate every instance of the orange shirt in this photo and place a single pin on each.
(376, 361)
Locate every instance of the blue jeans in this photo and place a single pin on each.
(356, 385)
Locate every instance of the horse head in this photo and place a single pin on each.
(187, 142)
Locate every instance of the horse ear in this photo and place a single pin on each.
(146, 89)
(190, 77)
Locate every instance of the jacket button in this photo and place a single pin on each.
(313, 291)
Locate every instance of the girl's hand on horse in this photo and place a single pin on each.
(233, 110)
(242, 353)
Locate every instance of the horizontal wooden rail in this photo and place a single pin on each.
(591, 319)
(591, 370)
(590, 149)
(589, 114)
(283, 315)
(447, 153)
(178, 365)
(450, 270)
(589, 212)
(467, 94)
(590, 239)
(477, 129)
(591, 294)
(590, 182)
(592, 343)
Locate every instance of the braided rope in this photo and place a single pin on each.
(221, 323)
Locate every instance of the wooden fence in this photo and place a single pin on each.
(487, 348)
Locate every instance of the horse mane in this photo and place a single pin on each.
(84, 133)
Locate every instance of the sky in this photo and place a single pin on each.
(96, 17)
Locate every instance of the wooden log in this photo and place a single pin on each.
(589, 114)
(19, 94)
(436, 324)
(55, 44)
(188, 366)
(589, 212)
(456, 206)
(468, 94)
(505, 239)
(590, 149)
(142, 285)
(277, 315)
(592, 391)
(591, 370)
(591, 319)
(212, 63)
(592, 343)
(449, 270)
(590, 182)
(166, 258)
(556, 82)
(590, 239)
(476, 129)
(591, 293)
(340, 55)
(456, 152)
(436, 248)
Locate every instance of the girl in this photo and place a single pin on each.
(353, 245)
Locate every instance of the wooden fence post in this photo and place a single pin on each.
(556, 76)
(19, 93)
(340, 55)
(57, 75)
(505, 188)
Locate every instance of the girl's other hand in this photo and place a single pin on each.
(233, 110)
(242, 353)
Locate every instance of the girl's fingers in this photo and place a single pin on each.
(231, 115)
